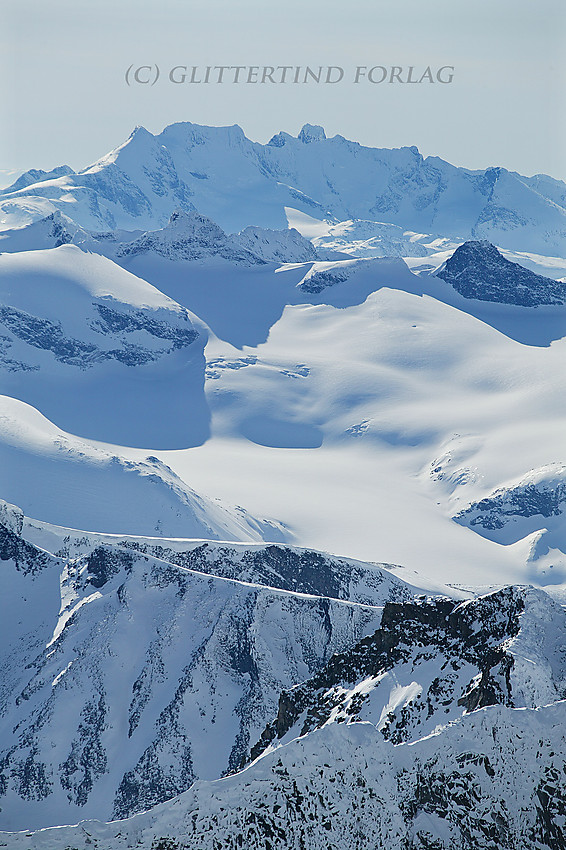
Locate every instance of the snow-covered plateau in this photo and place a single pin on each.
(221, 361)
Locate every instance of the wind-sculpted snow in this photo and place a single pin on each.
(152, 663)
(237, 183)
(477, 270)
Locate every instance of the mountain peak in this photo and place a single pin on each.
(478, 270)
(192, 222)
(312, 133)
(37, 175)
(140, 131)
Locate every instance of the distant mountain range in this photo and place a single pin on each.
(237, 182)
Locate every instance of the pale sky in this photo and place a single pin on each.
(64, 97)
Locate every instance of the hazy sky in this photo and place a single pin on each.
(64, 97)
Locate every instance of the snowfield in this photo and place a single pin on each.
(283, 544)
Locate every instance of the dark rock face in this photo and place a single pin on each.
(281, 567)
(505, 506)
(26, 557)
(164, 650)
(50, 336)
(104, 562)
(319, 281)
(87, 760)
(57, 230)
(114, 322)
(472, 633)
(477, 270)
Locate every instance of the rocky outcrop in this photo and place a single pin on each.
(477, 270)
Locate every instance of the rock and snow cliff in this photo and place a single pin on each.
(443, 728)
(478, 270)
(133, 666)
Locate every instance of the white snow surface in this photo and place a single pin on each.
(345, 383)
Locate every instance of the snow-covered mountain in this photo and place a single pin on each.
(100, 487)
(187, 236)
(191, 236)
(532, 510)
(58, 229)
(357, 366)
(219, 361)
(430, 662)
(36, 175)
(132, 666)
(351, 765)
(237, 182)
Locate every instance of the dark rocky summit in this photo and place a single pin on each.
(477, 270)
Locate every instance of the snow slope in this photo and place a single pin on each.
(95, 348)
(393, 400)
(64, 479)
(210, 348)
(359, 388)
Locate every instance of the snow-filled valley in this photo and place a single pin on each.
(219, 362)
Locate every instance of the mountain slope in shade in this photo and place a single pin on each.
(187, 236)
(237, 183)
(194, 237)
(133, 666)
